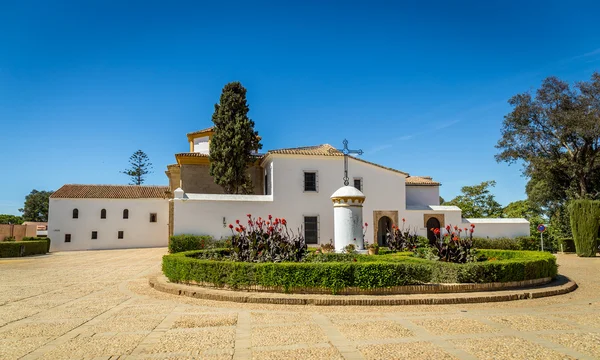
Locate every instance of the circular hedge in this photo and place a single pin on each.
(335, 272)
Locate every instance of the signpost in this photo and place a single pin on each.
(541, 228)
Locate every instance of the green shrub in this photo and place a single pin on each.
(9, 238)
(355, 270)
(23, 248)
(585, 221)
(185, 242)
(566, 244)
(531, 243)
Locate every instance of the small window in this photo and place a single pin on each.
(310, 181)
(75, 214)
(94, 235)
(266, 182)
(103, 214)
(120, 234)
(311, 229)
(153, 217)
(358, 183)
(67, 237)
(126, 214)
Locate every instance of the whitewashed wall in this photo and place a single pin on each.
(201, 145)
(422, 195)
(138, 230)
(204, 214)
(496, 228)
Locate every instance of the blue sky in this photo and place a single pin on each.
(419, 86)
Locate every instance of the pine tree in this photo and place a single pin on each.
(140, 167)
(233, 141)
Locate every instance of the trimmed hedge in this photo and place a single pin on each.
(24, 248)
(186, 242)
(531, 243)
(585, 222)
(367, 272)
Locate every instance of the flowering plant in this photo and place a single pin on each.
(400, 239)
(372, 245)
(454, 246)
(266, 240)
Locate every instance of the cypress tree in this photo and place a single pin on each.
(585, 221)
(233, 141)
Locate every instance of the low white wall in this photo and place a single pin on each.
(138, 230)
(497, 228)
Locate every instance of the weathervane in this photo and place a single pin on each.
(346, 152)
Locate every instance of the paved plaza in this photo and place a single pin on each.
(98, 305)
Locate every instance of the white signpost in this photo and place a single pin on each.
(541, 228)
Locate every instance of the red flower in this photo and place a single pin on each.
(268, 223)
(393, 226)
(283, 221)
(237, 222)
(448, 227)
(249, 222)
(466, 229)
(455, 227)
(366, 224)
(472, 225)
(455, 238)
(271, 228)
(237, 229)
(249, 215)
(403, 220)
(230, 226)
(270, 217)
(472, 231)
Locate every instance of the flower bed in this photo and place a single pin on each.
(23, 248)
(336, 272)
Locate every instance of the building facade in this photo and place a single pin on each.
(295, 184)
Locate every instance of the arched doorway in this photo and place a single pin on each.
(432, 223)
(383, 226)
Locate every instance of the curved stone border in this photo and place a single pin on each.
(561, 285)
(393, 290)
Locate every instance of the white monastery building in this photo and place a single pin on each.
(295, 184)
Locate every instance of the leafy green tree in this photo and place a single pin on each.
(556, 136)
(477, 201)
(36, 206)
(10, 219)
(233, 142)
(442, 200)
(524, 209)
(140, 166)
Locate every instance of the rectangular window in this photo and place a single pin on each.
(310, 181)
(120, 234)
(94, 235)
(311, 229)
(266, 183)
(67, 237)
(153, 217)
(358, 183)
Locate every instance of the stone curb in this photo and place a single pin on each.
(556, 287)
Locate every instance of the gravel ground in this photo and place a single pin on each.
(98, 304)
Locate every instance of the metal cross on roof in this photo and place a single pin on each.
(346, 152)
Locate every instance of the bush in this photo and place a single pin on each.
(354, 270)
(266, 241)
(585, 221)
(531, 243)
(185, 242)
(9, 238)
(23, 248)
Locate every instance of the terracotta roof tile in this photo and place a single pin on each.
(325, 150)
(421, 181)
(74, 191)
(192, 154)
(212, 128)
